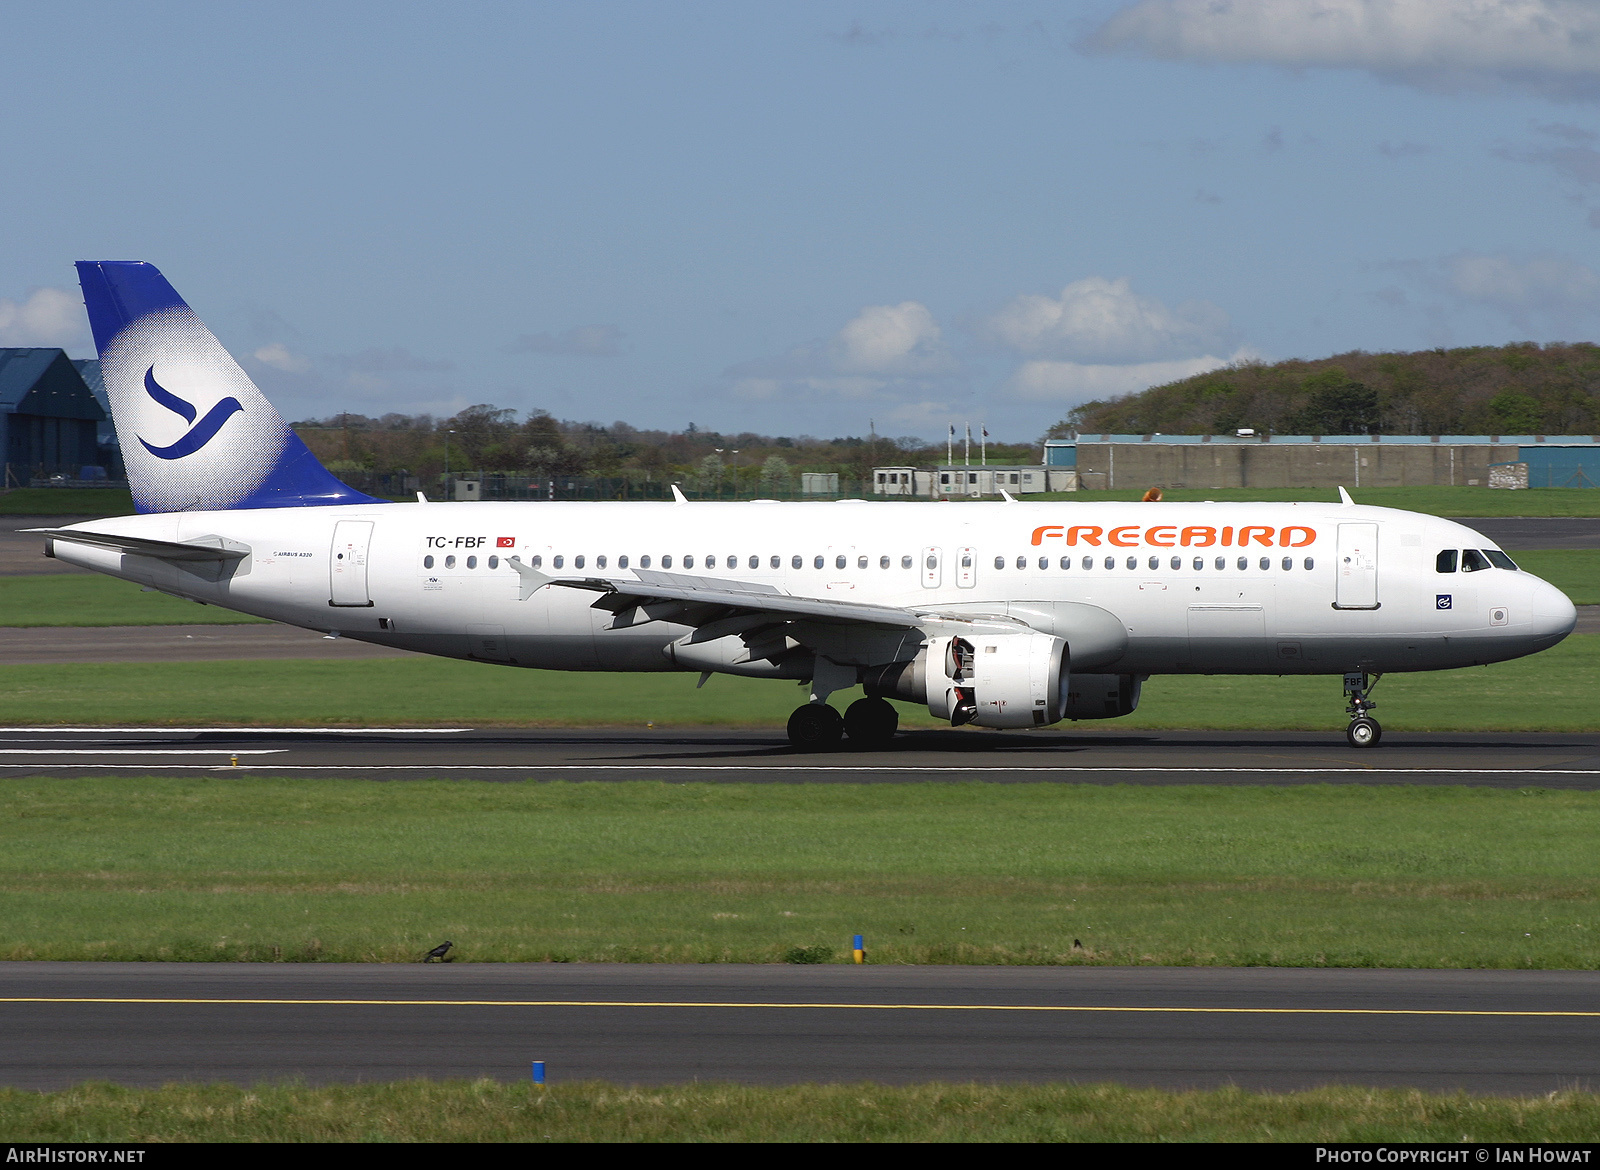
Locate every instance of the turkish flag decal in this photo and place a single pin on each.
(505, 542)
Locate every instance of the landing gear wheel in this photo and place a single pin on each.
(871, 722)
(1363, 732)
(816, 727)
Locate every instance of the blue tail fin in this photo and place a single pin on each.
(196, 434)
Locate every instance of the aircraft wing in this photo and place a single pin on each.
(202, 548)
(678, 597)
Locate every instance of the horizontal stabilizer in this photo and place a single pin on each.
(202, 548)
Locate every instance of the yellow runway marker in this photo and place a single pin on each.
(878, 1007)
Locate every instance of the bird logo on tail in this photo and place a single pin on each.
(201, 433)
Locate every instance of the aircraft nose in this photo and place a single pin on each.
(1554, 615)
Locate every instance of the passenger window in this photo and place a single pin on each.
(1044, 562)
(999, 562)
(1472, 560)
(755, 562)
(861, 562)
(1288, 563)
(1310, 564)
(818, 562)
(1445, 562)
(1499, 559)
(536, 560)
(450, 562)
(577, 561)
(600, 562)
(839, 561)
(1066, 562)
(1111, 562)
(1266, 563)
(688, 561)
(472, 562)
(1176, 562)
(558, 561)
(711, 561)
(1088, 562)
(883, 562)
(427, 562)
(905, 562)
(1244, 562)
(1022, 562)
(776, 562)
(1155, 562)
(794, 562)
(732, 562)
(666, 561)
(494, 562)
(644, 561)
(622, 561)
(933, 561)
(1133, 562)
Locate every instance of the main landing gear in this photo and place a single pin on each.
(1364, 731)
(869, 722)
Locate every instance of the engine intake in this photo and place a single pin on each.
(1005, 680)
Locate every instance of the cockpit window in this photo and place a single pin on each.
(1472, 560)
(1445, 562)
(1499, 559)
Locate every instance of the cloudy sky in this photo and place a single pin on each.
(799, 217)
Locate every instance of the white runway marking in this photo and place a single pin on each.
(833, 768)
(138, 752)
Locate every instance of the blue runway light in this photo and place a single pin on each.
(859, 949)
(538, 1072)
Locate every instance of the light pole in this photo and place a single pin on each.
(447, 435)
(735, 452)
(718, 450)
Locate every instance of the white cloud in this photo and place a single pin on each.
(1549, 284)
(47, 317)
(581, 341)
(1549, 46)
(277, 356)
(1070, 383)
(1096, 319)
(882, 348)
(890, 339)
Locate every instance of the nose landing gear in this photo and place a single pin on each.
(1364, 731)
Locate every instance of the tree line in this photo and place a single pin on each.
(1518, 389)
(497, 441)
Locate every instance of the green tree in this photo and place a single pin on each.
(1516, 413)
(777, 478)
(1336, 404)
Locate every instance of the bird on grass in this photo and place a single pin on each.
(438, 953)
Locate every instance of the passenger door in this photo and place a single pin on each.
(347, 563)
(1357, 583)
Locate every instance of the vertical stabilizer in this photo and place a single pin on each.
(196, 434)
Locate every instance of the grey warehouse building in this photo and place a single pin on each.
(49, 417)
(1249, 460)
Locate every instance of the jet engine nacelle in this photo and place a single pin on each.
(1005, 680)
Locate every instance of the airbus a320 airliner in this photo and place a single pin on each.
(1007, 615)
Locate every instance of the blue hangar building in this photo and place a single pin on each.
(50, 418)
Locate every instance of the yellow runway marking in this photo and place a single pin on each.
(881, 1007)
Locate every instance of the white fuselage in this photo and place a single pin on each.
(1199, 588)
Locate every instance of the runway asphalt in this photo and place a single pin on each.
(722, 755)
(1260, 1028)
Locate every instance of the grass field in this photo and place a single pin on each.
(78, 599)
(486, 1111)
(1552, 691)
(1438, 501)
(240, 868)
(65, 502)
